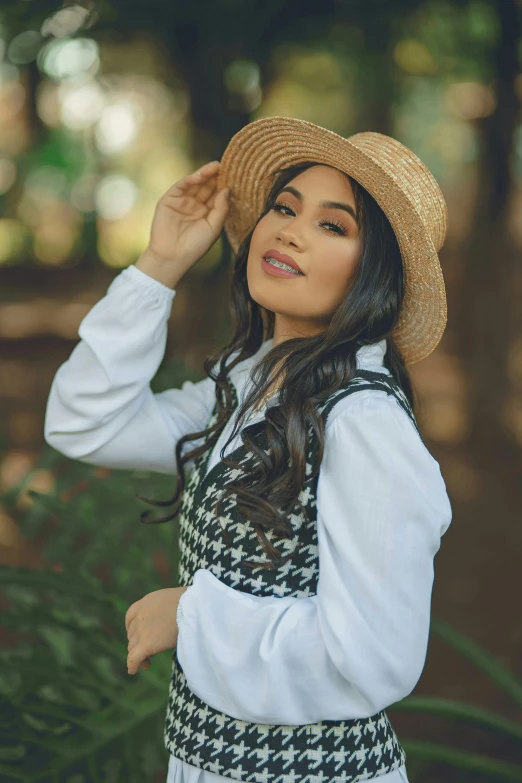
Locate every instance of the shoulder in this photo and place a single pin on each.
(371, 426)
(375, 413)
(372, 448)
(367, 403)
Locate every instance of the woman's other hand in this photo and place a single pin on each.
(151, 626)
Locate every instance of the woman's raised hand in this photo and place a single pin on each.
(187, 221)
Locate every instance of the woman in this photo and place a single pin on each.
(313, 511)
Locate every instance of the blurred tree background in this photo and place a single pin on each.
(103, 105)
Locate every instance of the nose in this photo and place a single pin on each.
(290, 237)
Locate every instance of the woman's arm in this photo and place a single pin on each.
(360, 644)
(101, 409)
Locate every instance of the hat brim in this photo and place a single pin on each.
(263, 146)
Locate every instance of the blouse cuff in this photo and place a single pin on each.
(179, 610)
(134, 277)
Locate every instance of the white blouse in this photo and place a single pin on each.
(360, 644)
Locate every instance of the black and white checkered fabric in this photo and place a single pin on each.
(344, 751)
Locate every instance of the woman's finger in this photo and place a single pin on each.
(206, 190)
(212, 200)
(200, 187)
(210, 168)
(192, 204)
(204, 172)
(217, 214)
(201, 192)
(133, 641)
(190, 183)
(134, 659)
(131, 614)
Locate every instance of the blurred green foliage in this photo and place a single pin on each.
(69, 710)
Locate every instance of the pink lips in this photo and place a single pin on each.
(276, 271)
(285, 259)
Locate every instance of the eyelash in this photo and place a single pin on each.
(341, 232)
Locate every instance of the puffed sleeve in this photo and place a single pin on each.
(360, 644)
(101, 409)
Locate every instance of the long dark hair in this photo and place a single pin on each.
(313, 368)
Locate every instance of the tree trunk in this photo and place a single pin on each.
(485, 322)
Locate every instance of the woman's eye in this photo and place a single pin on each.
(279, 207)
(337, 229)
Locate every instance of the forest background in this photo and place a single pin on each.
(103, 105)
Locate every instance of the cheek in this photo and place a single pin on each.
(336, 268)
(259, 243)
(261, 232)
(256, 242)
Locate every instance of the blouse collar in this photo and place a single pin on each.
(370, 357)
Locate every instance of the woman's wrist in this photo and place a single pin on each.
(166, 272)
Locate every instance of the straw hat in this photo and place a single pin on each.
(398, 180)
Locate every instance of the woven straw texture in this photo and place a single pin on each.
(398, 180)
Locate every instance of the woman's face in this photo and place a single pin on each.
(323, 240)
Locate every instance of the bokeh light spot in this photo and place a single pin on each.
(24, 47)
(117, 126)
(65, 22)
(70, 60)
(115, 196)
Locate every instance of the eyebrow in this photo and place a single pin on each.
(326, 204)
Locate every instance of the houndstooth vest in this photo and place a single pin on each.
(331, 750)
